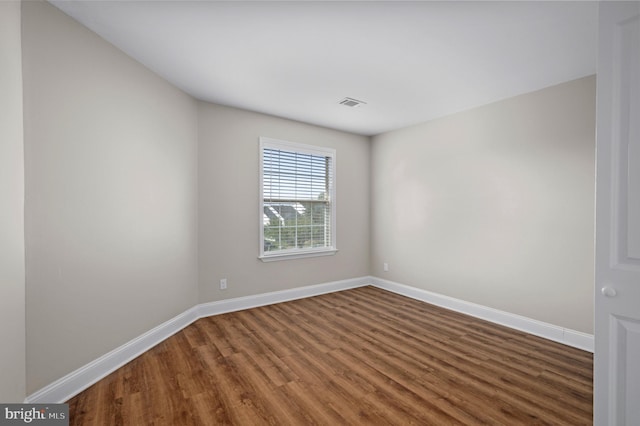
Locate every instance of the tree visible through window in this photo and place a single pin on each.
(297, 186)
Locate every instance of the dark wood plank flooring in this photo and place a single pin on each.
(357, 357)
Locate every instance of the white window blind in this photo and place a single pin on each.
(297, 199)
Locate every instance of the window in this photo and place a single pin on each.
(297, 200)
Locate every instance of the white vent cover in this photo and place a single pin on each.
(353, 103)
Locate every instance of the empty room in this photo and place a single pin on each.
(332, 213)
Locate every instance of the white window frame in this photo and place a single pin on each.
(297, 253)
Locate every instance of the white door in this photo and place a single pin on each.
(617, 296)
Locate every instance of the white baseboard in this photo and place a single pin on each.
(75, 382)
(562, 335)
(241, 303)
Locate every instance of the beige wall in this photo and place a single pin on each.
(494, 205)
(140, 199)
(229, 205)
(111, 169)
(12, 269)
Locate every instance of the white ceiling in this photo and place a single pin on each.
(410, 61)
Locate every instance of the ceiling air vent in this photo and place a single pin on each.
(353, 103)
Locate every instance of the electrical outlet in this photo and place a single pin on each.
(223, 284)
(385, 267)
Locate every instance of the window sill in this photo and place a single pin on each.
(297, 255)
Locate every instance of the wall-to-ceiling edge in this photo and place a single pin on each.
(230, 254)
(494, 205)
(110, 165)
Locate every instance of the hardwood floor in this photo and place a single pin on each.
(358, 357)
